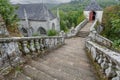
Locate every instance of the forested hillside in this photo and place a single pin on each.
(71, 14)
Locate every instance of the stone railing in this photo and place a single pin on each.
(94, 36)
(99, 48)
(12, 49)
(73, 31)
(108, 60)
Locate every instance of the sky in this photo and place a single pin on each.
(38, 1)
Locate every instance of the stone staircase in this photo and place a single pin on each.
(85, 31)
(83, 34)
(66, 63)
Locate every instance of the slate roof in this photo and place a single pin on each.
(34, 12)
(93, 6)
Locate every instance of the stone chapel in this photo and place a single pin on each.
(37, 19)
(93, 11)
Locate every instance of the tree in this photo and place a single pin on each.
(7, 11)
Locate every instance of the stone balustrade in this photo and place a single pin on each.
(13, 49)
(94, 36)
(108, 60)
(99, 48)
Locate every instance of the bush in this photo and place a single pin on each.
(52, 33)
(116, 44)
(36, 34)
(111, 22)
(7, 11)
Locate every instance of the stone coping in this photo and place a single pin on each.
(15, 39)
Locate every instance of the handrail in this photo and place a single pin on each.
(14, 39)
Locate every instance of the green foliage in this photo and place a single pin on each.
(116, 43)
(70, 19)
(106, 3)
(18, 68)
(80, 18)
(73, 6)
(111, 21)
(36, 34)
(7, 11)
(71, 14)
(52, 33)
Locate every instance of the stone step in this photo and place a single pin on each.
(81, 66)
(36, 74)
(21, 76)
(69, 68)
(16, 75)
(83, 34)
(76, 63)
(67, 55)
(51, 71)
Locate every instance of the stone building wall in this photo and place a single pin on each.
(46, 25)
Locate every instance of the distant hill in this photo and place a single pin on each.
(38, 1)
(75, 5)
(72, 6)
(51, 5)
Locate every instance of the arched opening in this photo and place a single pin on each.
(24, 32)
(92, 16)
(53, 26)
(42, 31)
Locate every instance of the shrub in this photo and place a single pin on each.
(7, 11)
(52, 32)
(36, 34)
(111, 22)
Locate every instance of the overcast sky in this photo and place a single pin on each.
(38, 1)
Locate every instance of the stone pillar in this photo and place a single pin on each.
(10, 53)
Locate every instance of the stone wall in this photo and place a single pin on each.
(35, 25)
(109, 61)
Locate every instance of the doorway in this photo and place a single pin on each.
(42, 31)
(92, 16)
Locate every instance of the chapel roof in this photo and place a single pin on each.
(34, 12)
(93, 6)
